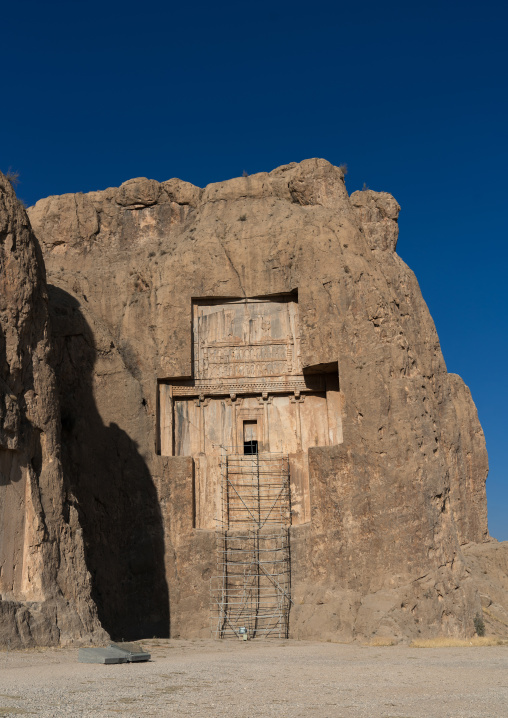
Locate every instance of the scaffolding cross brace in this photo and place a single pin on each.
(252, 588)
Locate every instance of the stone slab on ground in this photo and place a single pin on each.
(114, 653)
(101, 655)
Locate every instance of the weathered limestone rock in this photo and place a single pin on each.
(378, 213)
(138, 193)
(44, 583)
(390, 506)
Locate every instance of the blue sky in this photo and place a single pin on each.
(412, 97)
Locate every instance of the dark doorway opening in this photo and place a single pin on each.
(250, 437)
(250, 447)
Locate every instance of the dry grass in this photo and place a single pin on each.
(33, 649)
(172, 689)
(381, 642)
(13, 177)
(450, 642)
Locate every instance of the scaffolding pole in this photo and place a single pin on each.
(251, 593)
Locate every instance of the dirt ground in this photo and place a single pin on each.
(271, 678)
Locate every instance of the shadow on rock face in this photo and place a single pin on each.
(112, 488)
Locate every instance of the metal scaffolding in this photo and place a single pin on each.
(251, 592)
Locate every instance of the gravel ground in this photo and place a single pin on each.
(272, 678)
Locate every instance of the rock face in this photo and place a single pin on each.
(392, 498)
(44, 583)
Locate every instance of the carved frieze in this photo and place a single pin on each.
(282, 385)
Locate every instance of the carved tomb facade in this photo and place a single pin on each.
(247, 395)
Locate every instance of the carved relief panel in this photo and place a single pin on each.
(246, 339)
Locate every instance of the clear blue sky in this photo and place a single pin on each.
(412, 96)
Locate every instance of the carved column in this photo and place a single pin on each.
(201, 403)
(298, 399)
(233, 401)
(264, 400)
(166, 443)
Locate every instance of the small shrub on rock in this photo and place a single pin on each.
(479, 625)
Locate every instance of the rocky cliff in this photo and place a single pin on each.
(44, 583)
(391, 506)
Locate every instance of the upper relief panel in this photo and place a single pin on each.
(248, 338)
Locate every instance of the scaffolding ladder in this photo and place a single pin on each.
(251, 592)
